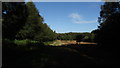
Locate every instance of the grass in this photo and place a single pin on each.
(65, 42)
(24, 42)
(44, 57)
(60, 42)
(72, 55)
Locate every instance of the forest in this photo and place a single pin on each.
(26, 39)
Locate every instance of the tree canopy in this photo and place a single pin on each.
(14, 16)
(108, 31)
(23, 21)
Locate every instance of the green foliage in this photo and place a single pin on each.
(14, 16)
(88, 37)
(32, 24)
(108, 9)
(34, 28)
(66, 36)
(46, 34)
(24, 42)
(107, 32)
(107, 35)
(22, 21)
(79, 38)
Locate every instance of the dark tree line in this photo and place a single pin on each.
(14, 16)
(109, 20)
(23, 21)
(108, 33)
(87, 37)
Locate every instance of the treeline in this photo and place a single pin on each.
(86, 36)
(22, 20)
(109, 21)
(107, 35)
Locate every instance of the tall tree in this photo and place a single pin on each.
(108, 9)
(107, 35)
(108, 31)
(34, 28)
(14, 15)
(33, 23)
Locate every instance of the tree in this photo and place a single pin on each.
(46, 34)
(79, 38)
(107, 32)
(34, 28)
(33, 23)
(107, 35)
(14, 15)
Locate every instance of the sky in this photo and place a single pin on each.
(66, 0)
(64, 17)
(70, 0)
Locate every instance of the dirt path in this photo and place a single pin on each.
(87, 43)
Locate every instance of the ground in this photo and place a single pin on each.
(40, 56)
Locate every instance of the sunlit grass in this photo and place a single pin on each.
(60, 42)
(53, 43)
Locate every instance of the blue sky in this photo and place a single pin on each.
(70, 16)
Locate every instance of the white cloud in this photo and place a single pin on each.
(77, 18)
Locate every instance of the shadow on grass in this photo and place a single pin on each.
(40, 56)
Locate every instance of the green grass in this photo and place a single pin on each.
(24, 42)
(48, 43)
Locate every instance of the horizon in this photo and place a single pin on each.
(75, 32)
